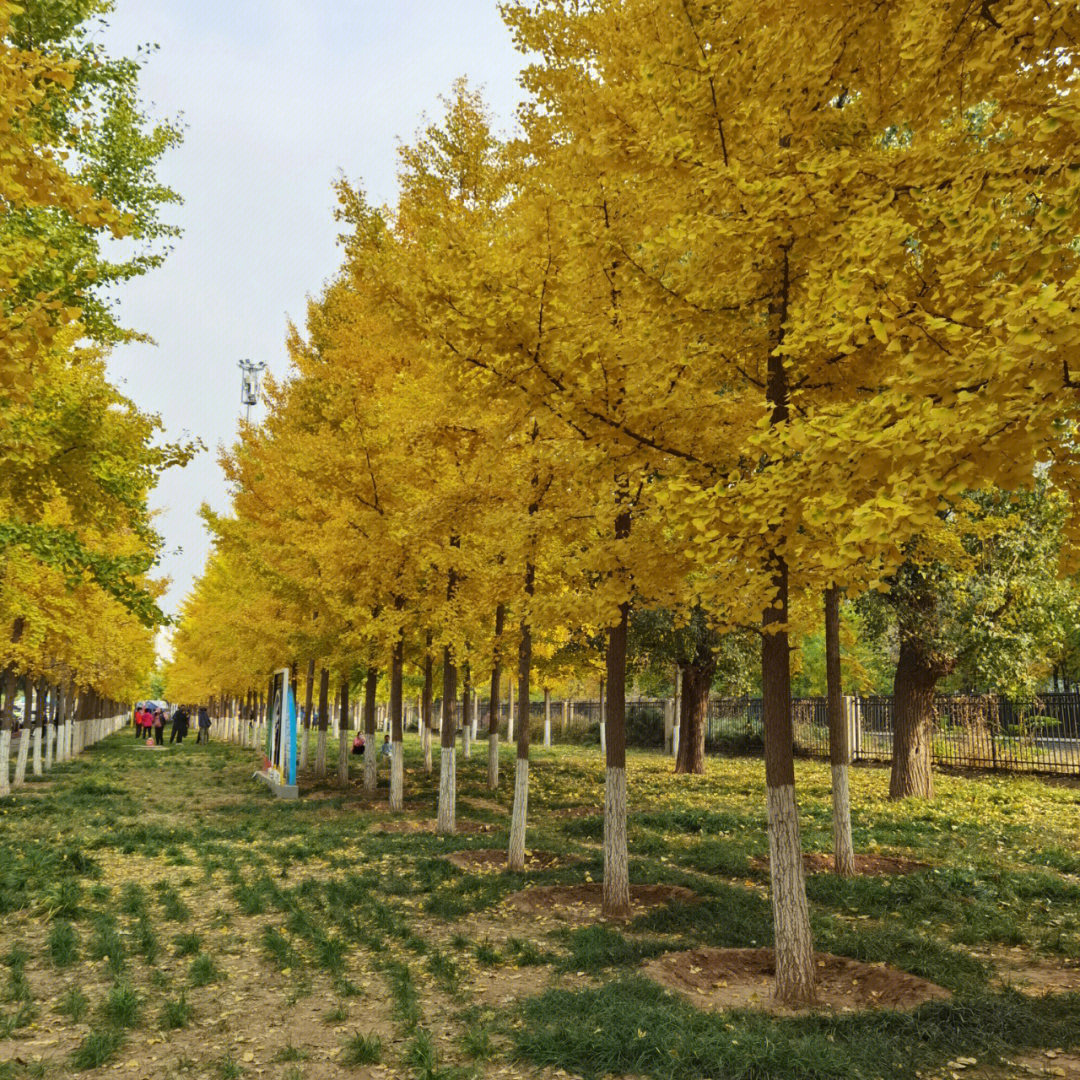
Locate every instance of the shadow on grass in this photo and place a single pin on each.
(633, 1027)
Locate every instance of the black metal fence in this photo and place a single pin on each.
(982, 731)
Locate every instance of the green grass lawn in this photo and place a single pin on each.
(164, 916)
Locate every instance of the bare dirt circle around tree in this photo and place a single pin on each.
(584, 901)
(866, 865)
(719, 979)
(494, 859)
(409, 826)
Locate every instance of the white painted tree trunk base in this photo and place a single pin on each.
(466, 741)
(603, 737)
(397, 777)
(493, 761)
(616, 890)
(49, 740)
(343, 759)
(791, 915)
(547, 732)
(5, 762)
(425, 743)
(20, 761)
(36, 766)
(515, 858)
(446, 822)
(843, 846)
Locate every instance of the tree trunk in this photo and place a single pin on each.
(603, 723)
(24, 738)
(446, 822)
(427, 717)
(7, 720)
(371, 758)
(696, 683)
(547, 717)
(616, 889)
(466, 712)
(50, 728)
(519, 814)
(343, 734)
(839, 748)
(913, 718)
(61, 717)
(309, 697)
(794, 949)
(510, 711)
(41, 722)
(324, 721)
(397, 752)
(791, 916)
(493, 704)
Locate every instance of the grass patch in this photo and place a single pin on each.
(121, 1006)
(176, 1014)
(228, 1068)
(361, 1049)
(73, 1004)
(187, 944)
(291, 1053)
(203, 971)
(63, 942)
(422, 1058)
(97, 1049)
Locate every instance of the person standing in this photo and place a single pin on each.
(204, 725)
(179, 725)
(159, 727)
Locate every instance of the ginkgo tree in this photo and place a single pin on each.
(861, 219)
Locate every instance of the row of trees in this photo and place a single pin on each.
(764, 298)
(80, 212)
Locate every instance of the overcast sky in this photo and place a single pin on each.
(278, 99)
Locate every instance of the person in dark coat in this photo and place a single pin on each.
(204, 725)
(179, 725)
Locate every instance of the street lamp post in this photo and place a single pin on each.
(249, 386)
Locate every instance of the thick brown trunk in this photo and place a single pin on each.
(791, 916)
(616, 889)
(693, 716)
(913, 718)
(839, 748)
(449, 700)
